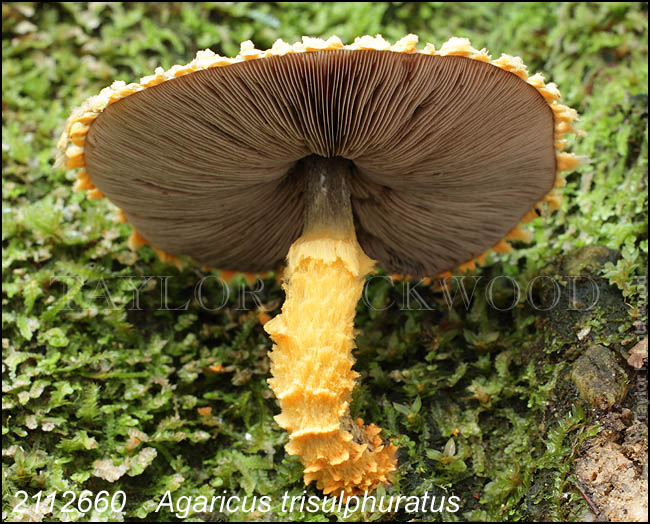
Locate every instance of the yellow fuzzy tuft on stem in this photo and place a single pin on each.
(311, 364)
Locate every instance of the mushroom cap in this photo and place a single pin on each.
(447, 152)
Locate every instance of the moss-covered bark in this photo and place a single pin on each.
(164, 389)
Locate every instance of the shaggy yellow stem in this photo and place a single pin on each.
(311, 361)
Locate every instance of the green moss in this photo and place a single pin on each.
(174, 399)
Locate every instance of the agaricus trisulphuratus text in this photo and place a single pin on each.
(335, 157)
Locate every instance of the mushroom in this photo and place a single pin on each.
(335, 157)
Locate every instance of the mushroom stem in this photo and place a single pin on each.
(311, 361)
